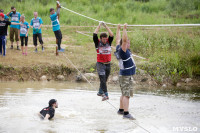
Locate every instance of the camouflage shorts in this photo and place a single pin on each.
(126, 85)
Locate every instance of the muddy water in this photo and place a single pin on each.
(80, 110)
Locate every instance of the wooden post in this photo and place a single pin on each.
(56, 50)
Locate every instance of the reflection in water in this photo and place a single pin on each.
(80, 110)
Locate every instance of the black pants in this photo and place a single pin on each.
(39, 36)
(23, 38)
(104, 72)
(58, 35)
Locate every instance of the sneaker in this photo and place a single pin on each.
(26, 54)
(99, 94)
(11, 47)
(129, 116)
(18, 48)
(42, 49)
(23, 53)
(36, 50)
(61, 50)
(105, 97)
(120, 112)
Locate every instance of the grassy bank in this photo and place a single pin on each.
(173, 53)
(114, 11)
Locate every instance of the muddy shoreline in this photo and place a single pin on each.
(63, 73)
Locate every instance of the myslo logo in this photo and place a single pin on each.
(185, 129)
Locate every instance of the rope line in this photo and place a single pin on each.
(156, 25)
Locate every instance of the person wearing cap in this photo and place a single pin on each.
(15, 17)
(103, 49)
(56, 27)
(3, 33)
(47, 113)
(5, 16)
(36, 24)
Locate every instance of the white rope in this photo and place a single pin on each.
(156, 25)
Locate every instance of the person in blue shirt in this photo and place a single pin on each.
(23, 32)
(127, 70)
(36, 24)
(5, 16)
(15, 17)
(56, 27)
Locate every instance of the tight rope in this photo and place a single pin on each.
(157, 25)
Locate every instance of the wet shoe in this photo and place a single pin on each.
(99, 94)
(61, 50)
(36, 50)
(11, 47)
(120, 112)
(18, 48)
(105, 97)
(129, 116)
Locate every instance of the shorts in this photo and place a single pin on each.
(14, 32)
(126, 85)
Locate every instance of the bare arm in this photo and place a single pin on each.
(13, 23)
(118, 35)
(58, 10)
(27, 32)
(8, 13)
(108, 29)
(40, 26)
(97, 29)
(47, 117)
(124, 39)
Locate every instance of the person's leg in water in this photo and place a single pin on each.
(103, 86)
(107, 75)
(125, 85)
(26, 45)
(121, 108)
(101, 71)
(22, 44)
(40, 40)
(35, 42)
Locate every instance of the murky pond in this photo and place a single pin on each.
(80, 110)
